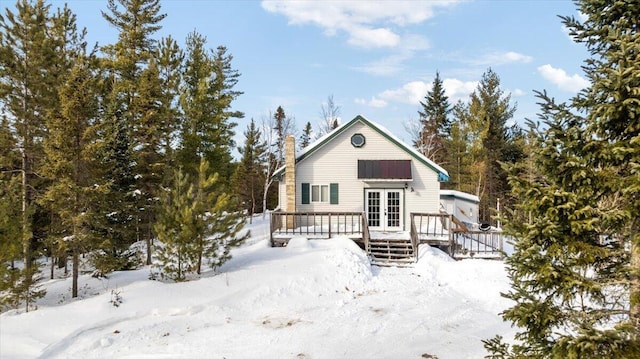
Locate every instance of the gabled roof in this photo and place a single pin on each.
(308, 151)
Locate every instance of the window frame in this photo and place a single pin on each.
(319, 198)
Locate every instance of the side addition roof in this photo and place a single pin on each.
(443, 175)
(457, 194)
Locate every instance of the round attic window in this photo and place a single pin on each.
(357, 140)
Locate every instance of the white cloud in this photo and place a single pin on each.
(413, 92)
(458, 90)
(560, 78)
(501, 58)
(365, 37)
(367, 24)
(374, 102)
(518, 92)
(410, 93)
(392, 64)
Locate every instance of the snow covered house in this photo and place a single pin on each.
(361, 167)
(362, 182)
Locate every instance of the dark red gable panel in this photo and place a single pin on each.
(384, 169)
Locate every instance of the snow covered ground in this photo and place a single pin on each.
(312, 299)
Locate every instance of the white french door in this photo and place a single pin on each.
(384, 209)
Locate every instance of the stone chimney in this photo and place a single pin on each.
(290, 177)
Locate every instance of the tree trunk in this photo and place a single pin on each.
(200, 250)
(148, 240)
(74, 286)
(634, 310)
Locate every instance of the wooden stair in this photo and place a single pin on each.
(391, 252)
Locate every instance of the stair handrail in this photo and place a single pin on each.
(365, 233)
(414, 237)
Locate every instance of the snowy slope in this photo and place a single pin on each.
(312, 299)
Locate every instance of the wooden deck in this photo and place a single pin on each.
(389, 248)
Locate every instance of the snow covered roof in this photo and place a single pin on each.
(462, 195)
(443, 175)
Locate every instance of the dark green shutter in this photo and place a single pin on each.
(333, 193)
(305, 193)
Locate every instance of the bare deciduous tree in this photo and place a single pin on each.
(330, 114)
(275, 128)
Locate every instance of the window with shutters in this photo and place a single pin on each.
(319, 193)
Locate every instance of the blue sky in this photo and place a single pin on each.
(377, 58)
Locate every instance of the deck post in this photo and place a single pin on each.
(451, 239)
(329, 225)
(271, 229)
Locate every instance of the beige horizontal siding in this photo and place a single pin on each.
(337, 162)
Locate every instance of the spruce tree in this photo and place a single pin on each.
(135, 94)
(435, 126)
(305, 138)
(248, 177)
(574, 272)
(115, 194)
(610, 33)
(275, 129)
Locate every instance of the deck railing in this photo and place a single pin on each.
(478, 243)
(318, 225)
(414, 240)
(444, 230)
(432, 228)
(365, 233)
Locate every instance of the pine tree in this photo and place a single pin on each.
(484, 118)
(176, 229)
(219, 221)
(28, 60)
(248, 177)
(206, 98)
(197, 222)
(169, 58)
(435, 126)
(67, 161)
(305, 138)
(136, 23)
(459, 161)
(10, 244)
(135, 94)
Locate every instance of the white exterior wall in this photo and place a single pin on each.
(282, 195)
(465, 210)
(337, 162)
